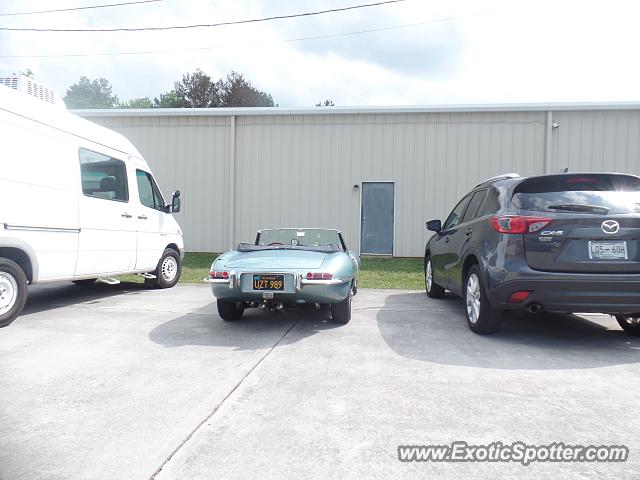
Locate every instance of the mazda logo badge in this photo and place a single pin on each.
(610, 227)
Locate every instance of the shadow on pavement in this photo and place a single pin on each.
(428, 330)
(49, 296)
(254, 330)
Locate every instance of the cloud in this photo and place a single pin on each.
(519, 51)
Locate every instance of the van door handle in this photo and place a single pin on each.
(468, 232)
(126, 215)
(142, 217)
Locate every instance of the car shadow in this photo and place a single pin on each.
(256, 329)
(435, 331)
(49, 296)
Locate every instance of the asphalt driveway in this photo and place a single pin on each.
(119, 382)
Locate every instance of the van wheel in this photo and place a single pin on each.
(341, 312)
(13, 291)
(432, 288)
(85, 281)
(481, 316)
(229, 311)
(167, 272)
(630, 323)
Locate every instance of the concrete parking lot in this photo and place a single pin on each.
(119, 382)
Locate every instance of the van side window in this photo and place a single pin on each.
(103, 176)
(149, 192)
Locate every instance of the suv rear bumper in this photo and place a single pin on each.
(559, 292)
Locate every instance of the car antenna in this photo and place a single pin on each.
(564, 170)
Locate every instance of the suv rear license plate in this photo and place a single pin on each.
(268, 282)
(608, 250)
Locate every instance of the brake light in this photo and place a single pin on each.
(223, 275)
(319, 276)
(519, 296)
(518, 223)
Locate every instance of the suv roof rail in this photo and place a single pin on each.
(504, 176)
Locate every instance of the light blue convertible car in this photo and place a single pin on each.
(284, 268)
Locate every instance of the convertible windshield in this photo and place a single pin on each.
(303, 238)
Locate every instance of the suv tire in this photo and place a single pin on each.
(481, 316)
(432, 288)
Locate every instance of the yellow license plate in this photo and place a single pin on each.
(268, 282)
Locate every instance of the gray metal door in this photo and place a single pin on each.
(377, 218)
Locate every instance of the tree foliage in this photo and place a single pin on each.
(142, 102)
(198, 90)
(326, 103)
(194, 90)
(91, 94)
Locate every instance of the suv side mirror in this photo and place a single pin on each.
(434, 225)
(175, 201)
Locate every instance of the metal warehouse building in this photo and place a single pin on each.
(377, 174)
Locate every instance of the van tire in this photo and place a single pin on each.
(168, 270)
(13, 282)
(85, 282)
(229, 310)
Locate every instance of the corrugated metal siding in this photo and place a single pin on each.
(300, 169)
(597, 141)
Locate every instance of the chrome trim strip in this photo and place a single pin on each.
(215, 280)
(333, 281)
(40, 229)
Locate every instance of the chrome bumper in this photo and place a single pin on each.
(298, 280)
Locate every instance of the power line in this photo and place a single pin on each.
(255, 44)
(88, 7)
(207, 25)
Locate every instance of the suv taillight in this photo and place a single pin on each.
(518, 223)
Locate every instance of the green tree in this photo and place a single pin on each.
(167, 100)
(142, 102)
(236, 91)
(198, 90)
(326, 103)
(27, 73)
(91, 94)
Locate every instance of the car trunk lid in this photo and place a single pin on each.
(594, 222)
(272, 260)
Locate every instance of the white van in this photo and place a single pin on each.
(77, 201)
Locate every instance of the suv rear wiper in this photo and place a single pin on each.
(579, 207)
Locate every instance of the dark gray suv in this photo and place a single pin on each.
(561, 243)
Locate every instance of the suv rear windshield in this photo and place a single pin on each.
(579, 193)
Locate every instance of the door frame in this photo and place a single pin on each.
(393, 253)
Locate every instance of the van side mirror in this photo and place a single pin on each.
(434, 225)
(175, 201)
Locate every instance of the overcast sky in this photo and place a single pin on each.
(456, 51)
